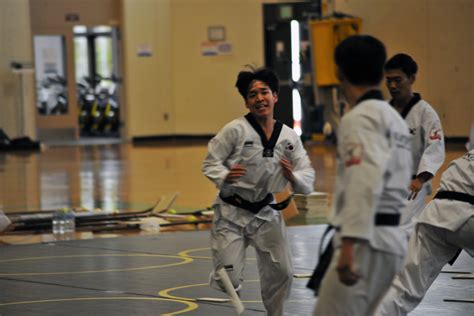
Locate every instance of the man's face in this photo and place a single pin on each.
(399, 84)
(260, 99)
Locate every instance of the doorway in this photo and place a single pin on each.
(288, 53)
(97, 78)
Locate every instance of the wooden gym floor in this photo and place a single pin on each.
(141, 274)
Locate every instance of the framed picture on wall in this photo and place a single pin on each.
(216, 33)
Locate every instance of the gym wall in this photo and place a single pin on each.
(15, 45)
(439, 35)
(178, 91)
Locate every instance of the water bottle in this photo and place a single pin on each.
(64, 222)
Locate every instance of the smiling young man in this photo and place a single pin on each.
(251, 158)
(425, 126)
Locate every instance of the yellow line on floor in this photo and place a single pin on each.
(184, 260)
(190, 305)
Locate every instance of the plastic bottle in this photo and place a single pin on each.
(64, 222)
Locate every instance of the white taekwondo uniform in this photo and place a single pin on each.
(444, 227)
(243, 141)
(373, 171)
(428, 152)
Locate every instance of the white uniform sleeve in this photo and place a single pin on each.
(219, 149)
(364, 152)
(434, 153)
(302, 170)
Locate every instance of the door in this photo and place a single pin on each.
(56, 108)
(287, 52)
(97, 80)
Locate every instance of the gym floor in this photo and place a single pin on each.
(133, 273)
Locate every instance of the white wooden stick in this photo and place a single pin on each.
(239, 307)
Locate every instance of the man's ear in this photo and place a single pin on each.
(247, 105)
(340, 76)
(275, 97)
(412, 79)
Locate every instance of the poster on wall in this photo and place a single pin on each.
(144, 50)
(50, 66)
(216, 48)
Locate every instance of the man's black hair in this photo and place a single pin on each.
(245, 78)
(361, 59)
(403, 62)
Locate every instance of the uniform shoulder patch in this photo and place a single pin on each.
(353, 154)
(435, 134)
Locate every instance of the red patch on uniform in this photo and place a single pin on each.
(353, 161)
(353, 155)
(435, 134)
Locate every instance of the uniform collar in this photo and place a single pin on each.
(371, 94)
(414, 100)
(268, 144)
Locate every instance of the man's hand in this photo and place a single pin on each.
(344, 265)
(415, 187)
(287, 170)
(236, 172)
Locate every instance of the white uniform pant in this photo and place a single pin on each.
(229, 242)
(429, 249)
(413, 210)
(377, 270)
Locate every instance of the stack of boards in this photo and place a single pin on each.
(314, 205)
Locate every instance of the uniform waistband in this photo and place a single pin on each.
(457, 196)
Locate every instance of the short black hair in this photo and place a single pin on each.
(266, 75)
(361, 59)
(403, 62)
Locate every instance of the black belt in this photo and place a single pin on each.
(255, 207)
(383, 219)
(387, 219)
(457, 196)
(325, 256)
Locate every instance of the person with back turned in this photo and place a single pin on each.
(373, 171)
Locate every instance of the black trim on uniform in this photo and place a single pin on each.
(414, 100)
(372, 94)
(268, 145)
(457, 196)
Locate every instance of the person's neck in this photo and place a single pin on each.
(354, 93)
(401, 103)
